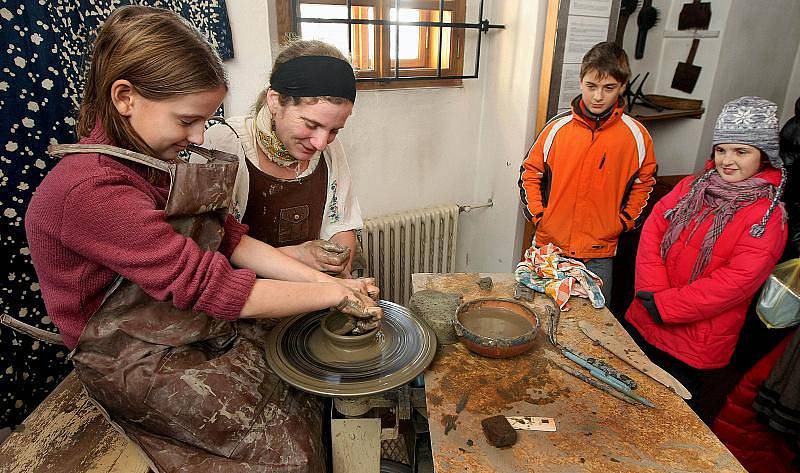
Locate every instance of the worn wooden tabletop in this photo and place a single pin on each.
(595, 432)
(68, 434)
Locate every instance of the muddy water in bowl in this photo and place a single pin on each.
(496, 322)
(496, 327)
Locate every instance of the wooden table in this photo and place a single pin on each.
(595, 432)
(66, 433)
(646, 114)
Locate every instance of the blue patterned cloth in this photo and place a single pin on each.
(41, 79)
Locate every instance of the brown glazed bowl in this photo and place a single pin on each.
(496, 327)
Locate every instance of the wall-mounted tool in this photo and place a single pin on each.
(686, 73)
(634, 358)
(647, 19)
(695, 16)
(626, 9)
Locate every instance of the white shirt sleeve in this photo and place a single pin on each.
(342, 211)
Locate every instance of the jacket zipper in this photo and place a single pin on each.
(602, 161)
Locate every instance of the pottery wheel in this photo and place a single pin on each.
(303, 356)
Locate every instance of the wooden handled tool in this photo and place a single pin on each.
(686, 73)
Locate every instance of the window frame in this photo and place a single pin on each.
(382, 75)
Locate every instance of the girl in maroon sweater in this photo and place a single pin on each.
(98, 218)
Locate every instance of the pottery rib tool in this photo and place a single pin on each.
(634, 357)
(695, 16)
(686, 73)
(647, 19)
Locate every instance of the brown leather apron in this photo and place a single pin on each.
(285, 212)
(195, 393)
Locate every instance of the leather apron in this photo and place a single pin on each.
(285, 212)
(195, 393)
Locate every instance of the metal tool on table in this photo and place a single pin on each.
(635, 358)
(695, 16)
(686, 73)
(610, 378)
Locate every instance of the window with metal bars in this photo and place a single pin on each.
(392, 43)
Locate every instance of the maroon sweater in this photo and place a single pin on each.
(94, 217)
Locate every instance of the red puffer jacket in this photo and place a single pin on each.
(757, 447)
(702, 319)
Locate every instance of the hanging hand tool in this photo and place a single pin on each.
(647, 19)
(626, 9)
(686, 73)
(635, 358)
(610, 379)
(695, 16)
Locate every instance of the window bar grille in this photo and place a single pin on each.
(483, 26)
(397, 40)
(441, 29)
(349, 28)
(478, 49)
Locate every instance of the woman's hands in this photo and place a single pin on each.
(323, 255)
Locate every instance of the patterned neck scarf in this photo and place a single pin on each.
(268, 141)
(721, 198)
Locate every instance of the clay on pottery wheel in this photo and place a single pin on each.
(305, 353)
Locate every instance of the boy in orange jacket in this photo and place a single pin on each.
(589, 174)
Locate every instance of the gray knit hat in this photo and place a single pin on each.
(752, 121)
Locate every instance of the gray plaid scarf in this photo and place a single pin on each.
(721, 198)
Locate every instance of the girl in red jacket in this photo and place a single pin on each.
(706, 249)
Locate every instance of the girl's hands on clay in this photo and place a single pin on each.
(364, 313)
(324, 255)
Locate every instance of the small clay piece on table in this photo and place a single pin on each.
(437, 309)
(498, 431)
(523, 293)
(485, 283)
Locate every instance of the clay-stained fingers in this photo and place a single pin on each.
(360, 306)
(324, 255)
(365, 286)
(364, 326)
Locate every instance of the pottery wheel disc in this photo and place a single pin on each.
(300, 354)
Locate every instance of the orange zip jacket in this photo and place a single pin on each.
(582, 184)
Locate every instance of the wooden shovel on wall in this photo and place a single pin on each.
(686, 73)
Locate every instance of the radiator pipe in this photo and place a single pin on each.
(471, 207)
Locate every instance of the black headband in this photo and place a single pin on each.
(315, 76)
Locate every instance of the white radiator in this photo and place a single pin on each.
(417, 241)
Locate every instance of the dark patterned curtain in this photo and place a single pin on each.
(41, 79)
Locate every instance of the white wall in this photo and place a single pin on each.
(748, 58)
(420, 147)
(792, 91)
(249, 69)
(757, 56)
(493, 236)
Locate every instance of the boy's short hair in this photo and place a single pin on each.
(607, 59)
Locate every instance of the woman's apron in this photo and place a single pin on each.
(285, 212)
(195, 393)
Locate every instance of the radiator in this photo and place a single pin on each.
(418, 241)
